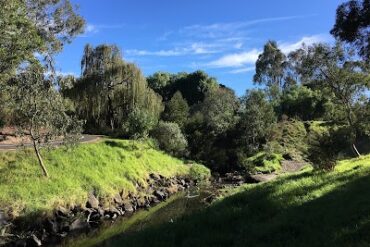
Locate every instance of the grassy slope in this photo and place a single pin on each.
(104, 167)
(304, 209)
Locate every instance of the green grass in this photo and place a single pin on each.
(264, 162)
(309, 208)
(106, 167)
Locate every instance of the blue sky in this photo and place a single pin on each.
(222, 37)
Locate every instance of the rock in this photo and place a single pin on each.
(172, 189)
(160, 195)
(117, 199)
(92, 202)
(128, 206)
(182, 182)
(51, 226)
(3, 221)
(62, 211)
(112, 211)
(78, 224)
(21, 243)
(155, 177)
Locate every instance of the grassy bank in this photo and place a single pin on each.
(105, 168)
(305, 209)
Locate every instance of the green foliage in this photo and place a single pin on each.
(219, 110)
(256, 117)
(325, 147)
(192, 86)
(200, 173)
(264, 162)
(30, 27)
(270, 66)
(303, 103)
(139, 123)
(289, 138)
(352, 25)
(177, 110)
(170, 138)
(106, 167)
(109, 90)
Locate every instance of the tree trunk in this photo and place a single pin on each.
(41, 163)
(355, 150)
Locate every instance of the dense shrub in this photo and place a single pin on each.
(170, 138)
(139, 123)
(326, 146)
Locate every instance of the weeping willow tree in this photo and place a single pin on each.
(109, 89)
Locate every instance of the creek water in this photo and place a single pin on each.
(112, 234)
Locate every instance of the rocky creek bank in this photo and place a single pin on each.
(49, 230)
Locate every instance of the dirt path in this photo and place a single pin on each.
(83, 139)
(287, 166)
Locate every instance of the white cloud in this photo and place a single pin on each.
(307, 40)
(243, 70)
(92, 28)
(236, 59)
(197, 48)
(229, 28)
(242, 59)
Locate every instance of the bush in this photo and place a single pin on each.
(170, 138)
(263, 162)
(288, 137)
(325, 147)
(139, 123)
(200, 173)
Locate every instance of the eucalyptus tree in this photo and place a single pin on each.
(353, 25)
(338, 72)
(270, 68)
(29, 27)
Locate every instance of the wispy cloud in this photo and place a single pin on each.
(236, 59)
(196, 48)
(230, 28)
(245, 61)
(242, 70)
(94, 28)
(307, 40)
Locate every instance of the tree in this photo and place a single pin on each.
(110, 89)
(39, 112)
(256, 117)
(29, 27)
(352, 25)
(177, 110)
(139, 123)
(303, 103)
(159, 81)
(219, 110)
(336, 70)
(270, 66)
(170, 138)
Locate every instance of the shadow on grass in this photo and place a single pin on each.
(256, 217)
